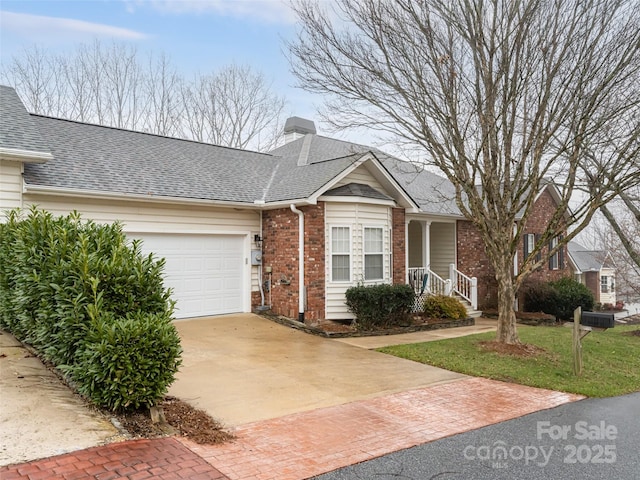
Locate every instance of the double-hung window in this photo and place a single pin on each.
(340, 254)
(530, 240)
(556, 261)
(604, 284)
(373, 253)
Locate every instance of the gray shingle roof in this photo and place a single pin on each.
(92, 157)
(17, 129)
(586, 260)
(112, 160)
(291, 181)
(433, 193)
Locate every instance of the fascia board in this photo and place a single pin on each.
(25, 156)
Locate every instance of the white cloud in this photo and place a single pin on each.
(271, 11)
(56, 28)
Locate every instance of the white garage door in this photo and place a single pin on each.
(204, 271)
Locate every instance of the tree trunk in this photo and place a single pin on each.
(507, 332)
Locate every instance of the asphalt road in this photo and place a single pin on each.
(589, 439)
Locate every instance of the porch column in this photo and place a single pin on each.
(426, 241)
(406, 251)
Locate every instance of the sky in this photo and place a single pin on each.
(199, 36)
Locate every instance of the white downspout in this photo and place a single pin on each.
(301, 291)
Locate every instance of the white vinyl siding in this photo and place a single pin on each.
(10, 186)
(340, 254)
(415, 244)
(610, 295)
(442, 244)
(373, 253)
(356, 216)
(363, 176)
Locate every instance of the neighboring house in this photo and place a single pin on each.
(474, 261)
(231, 221)
(595, 269)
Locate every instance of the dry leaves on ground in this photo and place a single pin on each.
(182, 419)
(523, 350)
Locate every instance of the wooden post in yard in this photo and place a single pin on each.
(577, 343)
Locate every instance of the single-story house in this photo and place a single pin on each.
(291, 229)
(595, 269)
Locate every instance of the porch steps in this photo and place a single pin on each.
(471, 312)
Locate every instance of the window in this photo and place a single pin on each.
(340, 254)
(529, 244)
(556, 261)
(530, 241)
(373, 253)
(604, 284)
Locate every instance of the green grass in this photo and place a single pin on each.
(611, 360)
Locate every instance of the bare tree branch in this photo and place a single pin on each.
(500, 95)
(110, 85)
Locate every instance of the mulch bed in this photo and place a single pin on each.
(522, 350)
(526, 318)
(182, 419)
(337, 329)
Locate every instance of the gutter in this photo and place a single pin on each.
(26, 156)
(301, 291)
(105, 195)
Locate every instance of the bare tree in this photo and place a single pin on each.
(34, 74)
(622, 240)
(233, 107)
(162, 94)
(499, 94)
(111, 85)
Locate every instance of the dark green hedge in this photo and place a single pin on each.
(559, 298)
(380, 306)
(72, 288)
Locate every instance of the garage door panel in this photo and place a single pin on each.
(204, 271)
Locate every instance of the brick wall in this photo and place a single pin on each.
(473, 261)
(399, 246)
(280, 251)
(592, 282)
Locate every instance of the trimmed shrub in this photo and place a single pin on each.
(559, 298)
(540, 297)
(63, 279)
(571, 295)
(442, 306)
(127, 362)
(380, 306)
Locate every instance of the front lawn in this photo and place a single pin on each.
(611, 359)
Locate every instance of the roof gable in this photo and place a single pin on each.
(357, 190)
(19, 137)
(586, 260)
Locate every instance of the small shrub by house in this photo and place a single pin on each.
(445, 307)
(380, 306)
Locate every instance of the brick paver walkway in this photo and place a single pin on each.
(305, 444)
(158, 458)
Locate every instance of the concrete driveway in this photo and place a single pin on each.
(39, 415)
(243, 368)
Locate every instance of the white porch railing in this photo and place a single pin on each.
(425, 281)
(466, 287)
